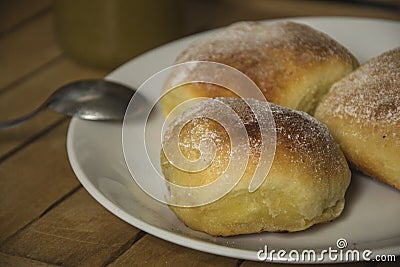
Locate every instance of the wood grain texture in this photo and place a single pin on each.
(46, 217)
(78, 232)
(296, 8)
(15, 261)
(269, 264)
(15, 12)
(28, 94)
(33, 179)
(26, 49)
(225, 12)
(389, 264)
(152, 251)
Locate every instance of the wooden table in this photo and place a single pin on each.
(46, 217)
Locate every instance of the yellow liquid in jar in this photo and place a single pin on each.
(106, 33)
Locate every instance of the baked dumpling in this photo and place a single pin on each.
(293, 64)
(362, 111)
(305, 186)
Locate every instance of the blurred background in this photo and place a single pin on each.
(106, 33)
(45, 44)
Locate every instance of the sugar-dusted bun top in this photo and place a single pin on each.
(292, 64)
(250, 42)
(370, 95)
(246, 45)
(302, 142)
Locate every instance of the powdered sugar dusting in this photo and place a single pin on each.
(371, 94)
(304, 141)
(254, 38)
(308, 142)
(275, 55)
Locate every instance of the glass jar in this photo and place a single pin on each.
(106, 33)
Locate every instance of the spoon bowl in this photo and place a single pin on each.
(93, 99)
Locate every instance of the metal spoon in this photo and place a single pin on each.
(87, 99)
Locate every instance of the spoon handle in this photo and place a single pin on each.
(20, 120)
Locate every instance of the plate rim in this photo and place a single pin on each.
(174, 237)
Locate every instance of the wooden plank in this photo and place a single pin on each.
(24, 97)
(26, 49)
(24, 196)
(296, 8)
(273, 264)
(33, 179)
(77, 232)
(324, 8)
(235, 10)
(14, 12)
(152, 251)
(15, 261)
(389, 264)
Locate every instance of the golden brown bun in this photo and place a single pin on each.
(293, 64)
(362, 112)
(306, 184)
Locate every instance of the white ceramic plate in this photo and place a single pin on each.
(372, 214)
